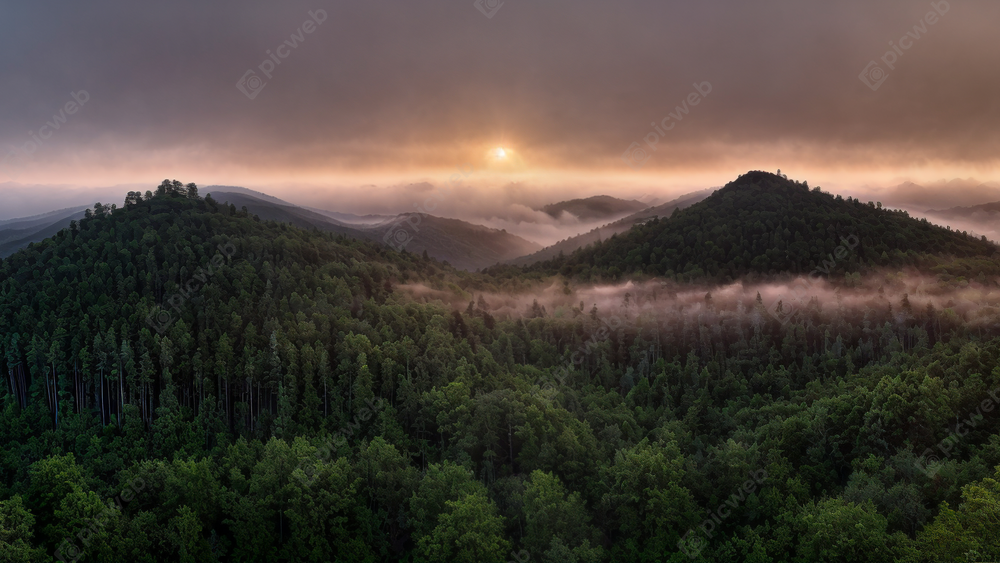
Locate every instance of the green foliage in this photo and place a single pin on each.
(468, 531)
(16, 531)
(970, 533)
(763, 224)
(295, 405)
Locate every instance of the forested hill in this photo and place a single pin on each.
(174, 272)
(185, 382)
(572, 244)
(763, 223)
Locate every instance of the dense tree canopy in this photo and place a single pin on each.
(761, 224)
(188, 383)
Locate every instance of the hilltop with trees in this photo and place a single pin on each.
(188, 382)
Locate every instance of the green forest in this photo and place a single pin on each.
(763, 223)
(186, 382)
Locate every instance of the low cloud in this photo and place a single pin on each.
(409, 87)
(976, 301)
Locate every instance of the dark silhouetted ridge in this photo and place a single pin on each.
(764, 224)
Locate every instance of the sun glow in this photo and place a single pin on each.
(500, 153)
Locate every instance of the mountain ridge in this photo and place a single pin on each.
(593, 208)
(982, 219)
(574, 243)
(763, 224)
(464, 245)
(20, 232)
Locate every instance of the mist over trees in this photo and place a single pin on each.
(762, 223)
(187, 382)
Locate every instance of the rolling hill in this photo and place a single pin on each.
(463, 245)
(18, 233)
(982, 219)
(955, 192)
(284, 212)
(188, 382)
(594, 208)
(572, 244)
(762, 223)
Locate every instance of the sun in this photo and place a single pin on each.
(500, 153)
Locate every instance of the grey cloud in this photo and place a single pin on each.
(405, 85)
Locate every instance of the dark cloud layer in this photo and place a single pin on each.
(399, 86)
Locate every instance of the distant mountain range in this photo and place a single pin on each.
(274, 209)
(594, 208)
(572, 244)
(986, 208)
(352, 219)
(956, 192)
(346, 218)
(765, 224)
(463, 245)
(983, 220)
(18, 233)
(472, 247)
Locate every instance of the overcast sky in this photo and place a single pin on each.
(371, 98)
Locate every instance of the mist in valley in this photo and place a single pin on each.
(903, 296)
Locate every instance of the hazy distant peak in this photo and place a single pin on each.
(569, 245)
(993, 207)
(945, 194)
(350, 218)
(594, 208)
(214, 190)
(42, 216)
